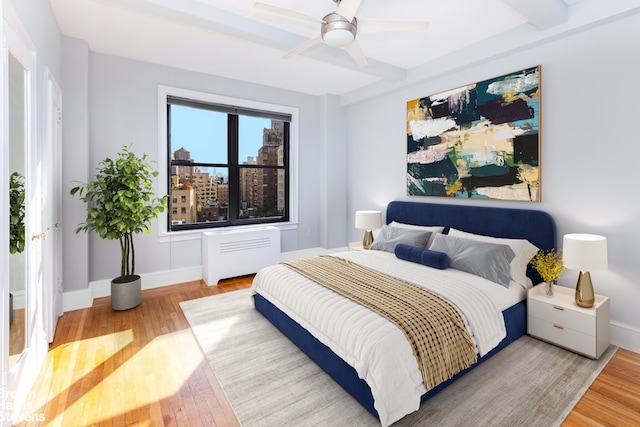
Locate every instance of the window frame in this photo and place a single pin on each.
(166, 93)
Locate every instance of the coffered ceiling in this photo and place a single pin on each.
(239, 40)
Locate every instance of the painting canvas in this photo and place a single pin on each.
(480, 141)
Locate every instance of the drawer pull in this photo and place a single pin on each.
(558, 307)
(555, 325)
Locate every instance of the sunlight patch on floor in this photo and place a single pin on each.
(89, 358)
(131, 380)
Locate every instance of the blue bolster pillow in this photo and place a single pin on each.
(422, 256)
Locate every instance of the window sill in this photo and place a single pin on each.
(181, 236)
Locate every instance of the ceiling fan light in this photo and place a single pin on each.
(338, 38)
(337, 31)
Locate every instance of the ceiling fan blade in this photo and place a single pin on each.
(356, 53)
(383, 26)
(285, 12)
(302, 47)
(348, 8)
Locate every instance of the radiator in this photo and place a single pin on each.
(237, 252)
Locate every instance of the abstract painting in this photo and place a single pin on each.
(480, 141)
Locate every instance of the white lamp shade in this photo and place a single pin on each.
(368, 220)
(584, 252)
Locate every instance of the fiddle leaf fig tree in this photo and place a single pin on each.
(121, 202)
(16, 213)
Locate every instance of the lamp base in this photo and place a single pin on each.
(585, 296)
(367, 240)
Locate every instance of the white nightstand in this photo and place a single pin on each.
(356, 246)
(560, 321)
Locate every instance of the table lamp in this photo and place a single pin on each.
(368, 220)
(584, 252)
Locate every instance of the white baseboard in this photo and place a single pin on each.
(18, 299)
(102, 288)
(625, 336)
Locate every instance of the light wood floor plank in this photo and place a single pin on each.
(144, 367)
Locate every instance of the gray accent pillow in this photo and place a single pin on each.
(488, 260)
(524, 250)
(389, 237)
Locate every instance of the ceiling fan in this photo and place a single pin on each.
(339, 28)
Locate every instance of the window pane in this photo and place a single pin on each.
(262, 193)
(228, 163)
(202, 194)
(198, 135)
(260, 141)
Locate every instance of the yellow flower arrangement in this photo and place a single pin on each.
(549, 265)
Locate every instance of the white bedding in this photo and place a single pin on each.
(375, 347)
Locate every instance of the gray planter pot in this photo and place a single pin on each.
(126, 294)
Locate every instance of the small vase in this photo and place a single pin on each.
(548, 289)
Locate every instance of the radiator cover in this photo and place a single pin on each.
(238, 252)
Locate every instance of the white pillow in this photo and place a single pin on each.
(523, 249)
(433, 229)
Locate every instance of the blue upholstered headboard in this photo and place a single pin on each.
(536, 226)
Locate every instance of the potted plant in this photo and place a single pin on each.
(550, 267)
(121, 203)
(16, 213)
(16, 222)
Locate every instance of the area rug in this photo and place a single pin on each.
(270, 382)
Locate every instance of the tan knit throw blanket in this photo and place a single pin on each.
(436, 331)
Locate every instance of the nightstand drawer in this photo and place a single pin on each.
(560, 321)
(569, 319)
(563, 337)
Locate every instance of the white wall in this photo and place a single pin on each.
(590, 147)
(122, 110)
(333, 174)
(75, 152)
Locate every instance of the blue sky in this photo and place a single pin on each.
(204, 134)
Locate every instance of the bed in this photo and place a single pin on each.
(326, 327)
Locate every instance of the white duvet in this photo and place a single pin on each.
(375, 347)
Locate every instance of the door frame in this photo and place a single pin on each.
(52, 165)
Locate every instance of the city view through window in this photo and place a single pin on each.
(226, 169)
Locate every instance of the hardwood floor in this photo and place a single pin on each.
(137, 367)
(16, 336)
(614, 397)
(144, 367)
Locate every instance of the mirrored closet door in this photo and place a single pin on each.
(17, 78)
(24, 333)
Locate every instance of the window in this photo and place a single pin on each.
(227, 165)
